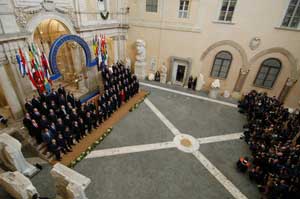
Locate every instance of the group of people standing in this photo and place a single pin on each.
(60, 120)
(272, 133)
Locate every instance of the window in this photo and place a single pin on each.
(292, 15)
(183, 8)
(268, 73)
(227, 10)
(221, 65)
(151, 5)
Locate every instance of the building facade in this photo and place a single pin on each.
(42, 21)
(246, 44)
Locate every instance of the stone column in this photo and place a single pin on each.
(286, 89)
(10, 94)
(116, 48)
(241, 80)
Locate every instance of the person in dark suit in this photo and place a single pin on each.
(37, 132)
(44, 123)
(77, 103)
(44, 97)
(61, 90)
(82, 127)
(53, 106)
(103, 99)
(76, 131)
(28, 106)
(100, 115)
(60, 126)
(52, 129)
(61, 142)
(68, 136)
(47, 136)
(62, 112)
(69, 108)
(62, 100)
(53, 96)
(82, 112)
(74, 116)
(27, 122)
(36, 115)
(44, 109)
(71, 99)
(88, 122)
(36, 102)
(55, 149)
(126, 94)
(52, 117)
(94, 116)
(67, 121)
(104, 111)
(109, 108)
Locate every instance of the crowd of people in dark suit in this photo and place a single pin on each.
(272, 133)
(60, 120)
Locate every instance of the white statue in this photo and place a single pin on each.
(216, 84)
(12, 157)
(163, 73)
(128, 63)
(17, 185)
(69, 184)
(151, 77)
(140, 50)
(214, 90)
(140, 64)
(200, 82)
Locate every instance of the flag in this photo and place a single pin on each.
(21, 66)
(45, 65)
(23, 61)
(30, 75)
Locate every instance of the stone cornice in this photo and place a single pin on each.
(14, 36)
(101, 27)
(166, 25)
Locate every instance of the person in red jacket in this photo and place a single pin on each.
(122, 95)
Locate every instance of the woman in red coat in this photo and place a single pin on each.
(122, 95)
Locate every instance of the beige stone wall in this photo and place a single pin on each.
(201, 36)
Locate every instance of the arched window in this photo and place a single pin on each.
(268, 73)
(221, 65)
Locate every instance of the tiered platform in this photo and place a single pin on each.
(89, 140)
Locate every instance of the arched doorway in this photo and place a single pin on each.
(70, 59)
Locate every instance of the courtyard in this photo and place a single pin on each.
(139, 158)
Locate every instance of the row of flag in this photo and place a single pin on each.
(34, 64)
(100, 50)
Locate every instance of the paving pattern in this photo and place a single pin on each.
(139, 159)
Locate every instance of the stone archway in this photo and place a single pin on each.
(293, 61)
(39, 18)
(233, 44)
(239, 51)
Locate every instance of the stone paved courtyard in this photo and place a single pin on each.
(139, 159)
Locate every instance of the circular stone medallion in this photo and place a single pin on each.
(186, 143)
